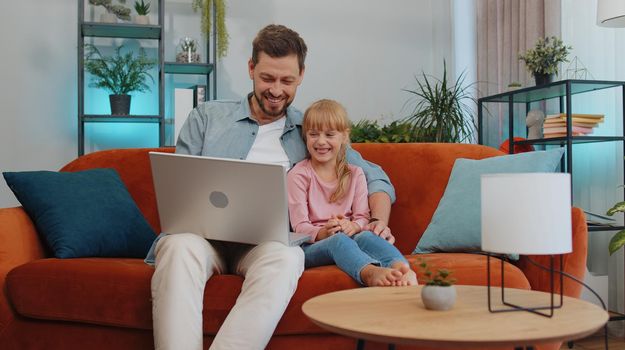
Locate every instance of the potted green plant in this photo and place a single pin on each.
(439, 292)
(543, 60)
(113, 11)
(120, 74)
(188, 51)
(443, 112)
(206, 7)
(143, 10)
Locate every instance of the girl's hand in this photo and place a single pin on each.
(349, 227)
(331, 227)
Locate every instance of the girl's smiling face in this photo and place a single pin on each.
(324, 145)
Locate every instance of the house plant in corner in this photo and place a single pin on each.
(618, 240)
(443, 112)
(120, 74)
(439, 292)
(143, 10)
(543, 60)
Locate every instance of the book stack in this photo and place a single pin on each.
(583, 124)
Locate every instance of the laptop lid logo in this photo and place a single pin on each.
(218, 199)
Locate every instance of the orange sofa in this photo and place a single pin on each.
(104, 303)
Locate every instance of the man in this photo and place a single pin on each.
(261, 127)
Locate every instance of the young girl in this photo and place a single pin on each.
(328, 200)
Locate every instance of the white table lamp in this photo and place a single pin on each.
(611, 13)
(529, 214)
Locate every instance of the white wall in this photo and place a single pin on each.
(361, 52)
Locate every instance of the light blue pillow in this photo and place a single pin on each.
(456, 224)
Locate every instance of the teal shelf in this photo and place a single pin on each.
(552, 90)
(560, 141)
(104, 118)
(117, 30)
(188, 68)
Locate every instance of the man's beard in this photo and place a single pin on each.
(269, 112)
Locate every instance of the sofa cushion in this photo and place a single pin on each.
(116, 292)
(82, 214)
(456, 224)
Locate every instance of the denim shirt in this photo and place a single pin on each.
(226, 129)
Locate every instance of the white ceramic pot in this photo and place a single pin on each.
(108, 18)
(438, 298)
(142, 19)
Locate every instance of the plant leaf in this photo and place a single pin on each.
(618, 207)
(617, 241)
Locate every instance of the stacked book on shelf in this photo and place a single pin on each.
(583, 124)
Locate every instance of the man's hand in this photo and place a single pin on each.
(380, 228)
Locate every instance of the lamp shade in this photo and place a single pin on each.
(611, 13)
(527, 213)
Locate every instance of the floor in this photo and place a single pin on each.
(596, 342)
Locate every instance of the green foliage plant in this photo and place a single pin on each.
(443, 112)
(546, 55)
(120, 74)
(618, 240)
(369, 131)
(441, 278)
(206, 6)
(122, 12)
(142, 8)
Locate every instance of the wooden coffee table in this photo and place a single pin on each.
(396, 315)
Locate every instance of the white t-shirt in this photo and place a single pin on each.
(267, 147)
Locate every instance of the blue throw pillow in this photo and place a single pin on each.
(83, 214)
(456, 224)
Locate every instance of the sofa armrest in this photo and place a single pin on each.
(19, 244)
(574, 263)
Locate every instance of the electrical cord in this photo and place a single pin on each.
(605, 327)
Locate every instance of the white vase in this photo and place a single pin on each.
(438, 298)
(140, 19)
(108, 18)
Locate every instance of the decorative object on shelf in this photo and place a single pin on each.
(522, 148)
(515, 85)
(199, 95)
(555, 125)
(543, 60)
(443, 112)
(577, 70)
(539, 224)
(119, 74)
(188, 51)
(143, 10)
(534, 122)
(618, 240)
(439, 292)
(113, 11)
(207, 6)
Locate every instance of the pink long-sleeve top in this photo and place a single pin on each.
(309, 199)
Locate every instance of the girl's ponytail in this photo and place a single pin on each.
(343, 174)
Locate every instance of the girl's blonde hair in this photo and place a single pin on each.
(330, 115)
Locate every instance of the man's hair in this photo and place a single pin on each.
(279, 41)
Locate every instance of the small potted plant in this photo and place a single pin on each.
(143, 10)
(113, 11)
(543, 60)
(188, 51)
(120, 74)
(439, 292)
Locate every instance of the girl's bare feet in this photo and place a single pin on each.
(408, 278)
(372, 275)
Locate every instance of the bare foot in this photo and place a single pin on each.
(372, 275)
(408, 278)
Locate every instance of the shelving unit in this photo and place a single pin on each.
(136, 31)
(563, 91)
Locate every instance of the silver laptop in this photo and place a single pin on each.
(222, 199)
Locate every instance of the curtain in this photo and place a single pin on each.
(506, 28)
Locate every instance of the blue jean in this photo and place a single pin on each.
(352, 254)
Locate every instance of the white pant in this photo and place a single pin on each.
(184, 262)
